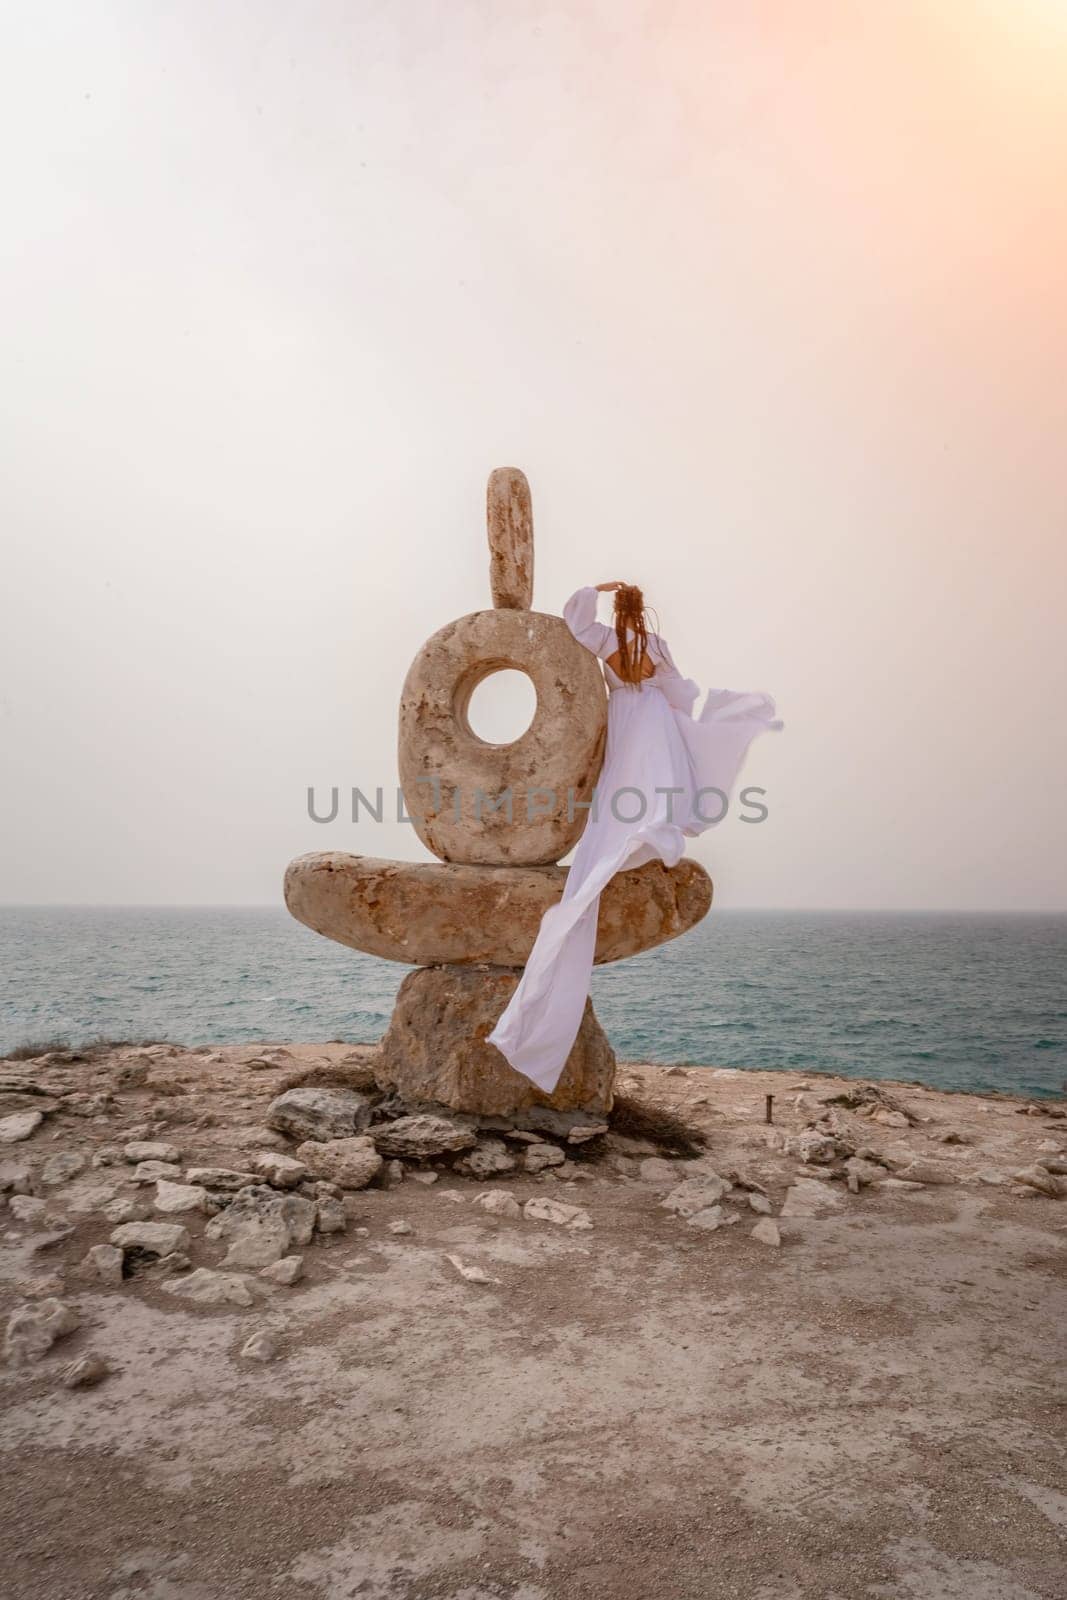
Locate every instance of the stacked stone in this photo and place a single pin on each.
(499, 818)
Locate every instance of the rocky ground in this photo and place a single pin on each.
(267, 1334)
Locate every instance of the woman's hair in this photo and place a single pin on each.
(633, 645)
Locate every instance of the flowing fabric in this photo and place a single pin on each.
(666, 776)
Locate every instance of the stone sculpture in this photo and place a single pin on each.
(498, 817)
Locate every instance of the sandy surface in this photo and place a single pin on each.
(642, 1409)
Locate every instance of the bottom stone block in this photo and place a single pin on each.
(435, 1052)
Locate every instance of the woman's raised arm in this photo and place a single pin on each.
(580, 616)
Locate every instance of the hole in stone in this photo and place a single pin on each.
(502, 706)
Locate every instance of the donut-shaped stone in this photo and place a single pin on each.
(512, 804)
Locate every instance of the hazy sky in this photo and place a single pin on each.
(768, 300)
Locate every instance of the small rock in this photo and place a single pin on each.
(330, 1214)
(709, 1218)
(489, 1158)
(163, 1266)
(694, 1194)
(27, 1208)
(60, 1167)
(19, 1126)
(122, 1210)
(899, 1183)
(582, 1132)
(767, 1232)
(280, 1171)
(207, 1288)
(395, 1169)
(425, 1177)
(104, 1263)
(15, 1178)
(416, 1137)
(132, 1074)
(152, 1171)
(401, 1227)
(864, 1171)
(33, 1330)
(286, 1271)
(814, 1148)
(498, 1203)
(952, 1137)
(178, 1197)
(1042, 1180)
(565, 1216)
(1057, 1165)
(222, 1179)
(261, 1226)
(993, 1179)
(889, 1119)
(760, 1203)
(809, 1198)
(262, 1346)
(1049, 1147)
(106, 1156)
(471, 1273)
(351, 1162)
(151, 1150)
(925, 1172)
(324, 1114)
(158, 1238)
(86, 1371)
(540, 1156)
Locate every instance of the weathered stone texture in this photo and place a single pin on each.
(435, 1050)
(445, 767)
(422, 913)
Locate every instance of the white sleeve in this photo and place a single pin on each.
(580, 616)
(678, 691)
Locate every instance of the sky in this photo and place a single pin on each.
(769, 301)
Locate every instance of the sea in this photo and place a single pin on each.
(957, 1001)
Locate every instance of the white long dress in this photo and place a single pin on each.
(665, 776)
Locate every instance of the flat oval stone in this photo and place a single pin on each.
(456, 786)
(423, 913)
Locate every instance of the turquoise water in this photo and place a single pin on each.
(958, 1001)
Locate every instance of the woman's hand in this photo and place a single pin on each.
(605, 588)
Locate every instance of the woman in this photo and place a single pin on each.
(665, 776)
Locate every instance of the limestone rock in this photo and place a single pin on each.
(319, 1113)
(223, 1179)
(709, 1218)
(88, 1370)
(435, 1051)
(509, 518)
(285, 1271)
(178, 1197)
(401, 1227)
(418, 1137)
(695, 1194)
(864, 1171)
(153, 1171)
(151, 1150)
(488, 1158)
(540, 1156)
(158, 1238)
(556, 1211)
(352, 1162)
(281, 1172)
(759, 1202)
(15, 1178)
(122, 1210)
(1042, 1180)
(766, 1231)
(63, 1165)
(33, 1330)
(809, 1198)
(207, 1288)
(27, 1208)
(104, 1263)
(498, 1203)
(1056, 1164)
(330, 1215)
(20, 1125)
(654, 1169)
(424, 914)
(814, 1147)
(560, 751)
(472, 1274)
(262, 1346)
(261, 1226)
